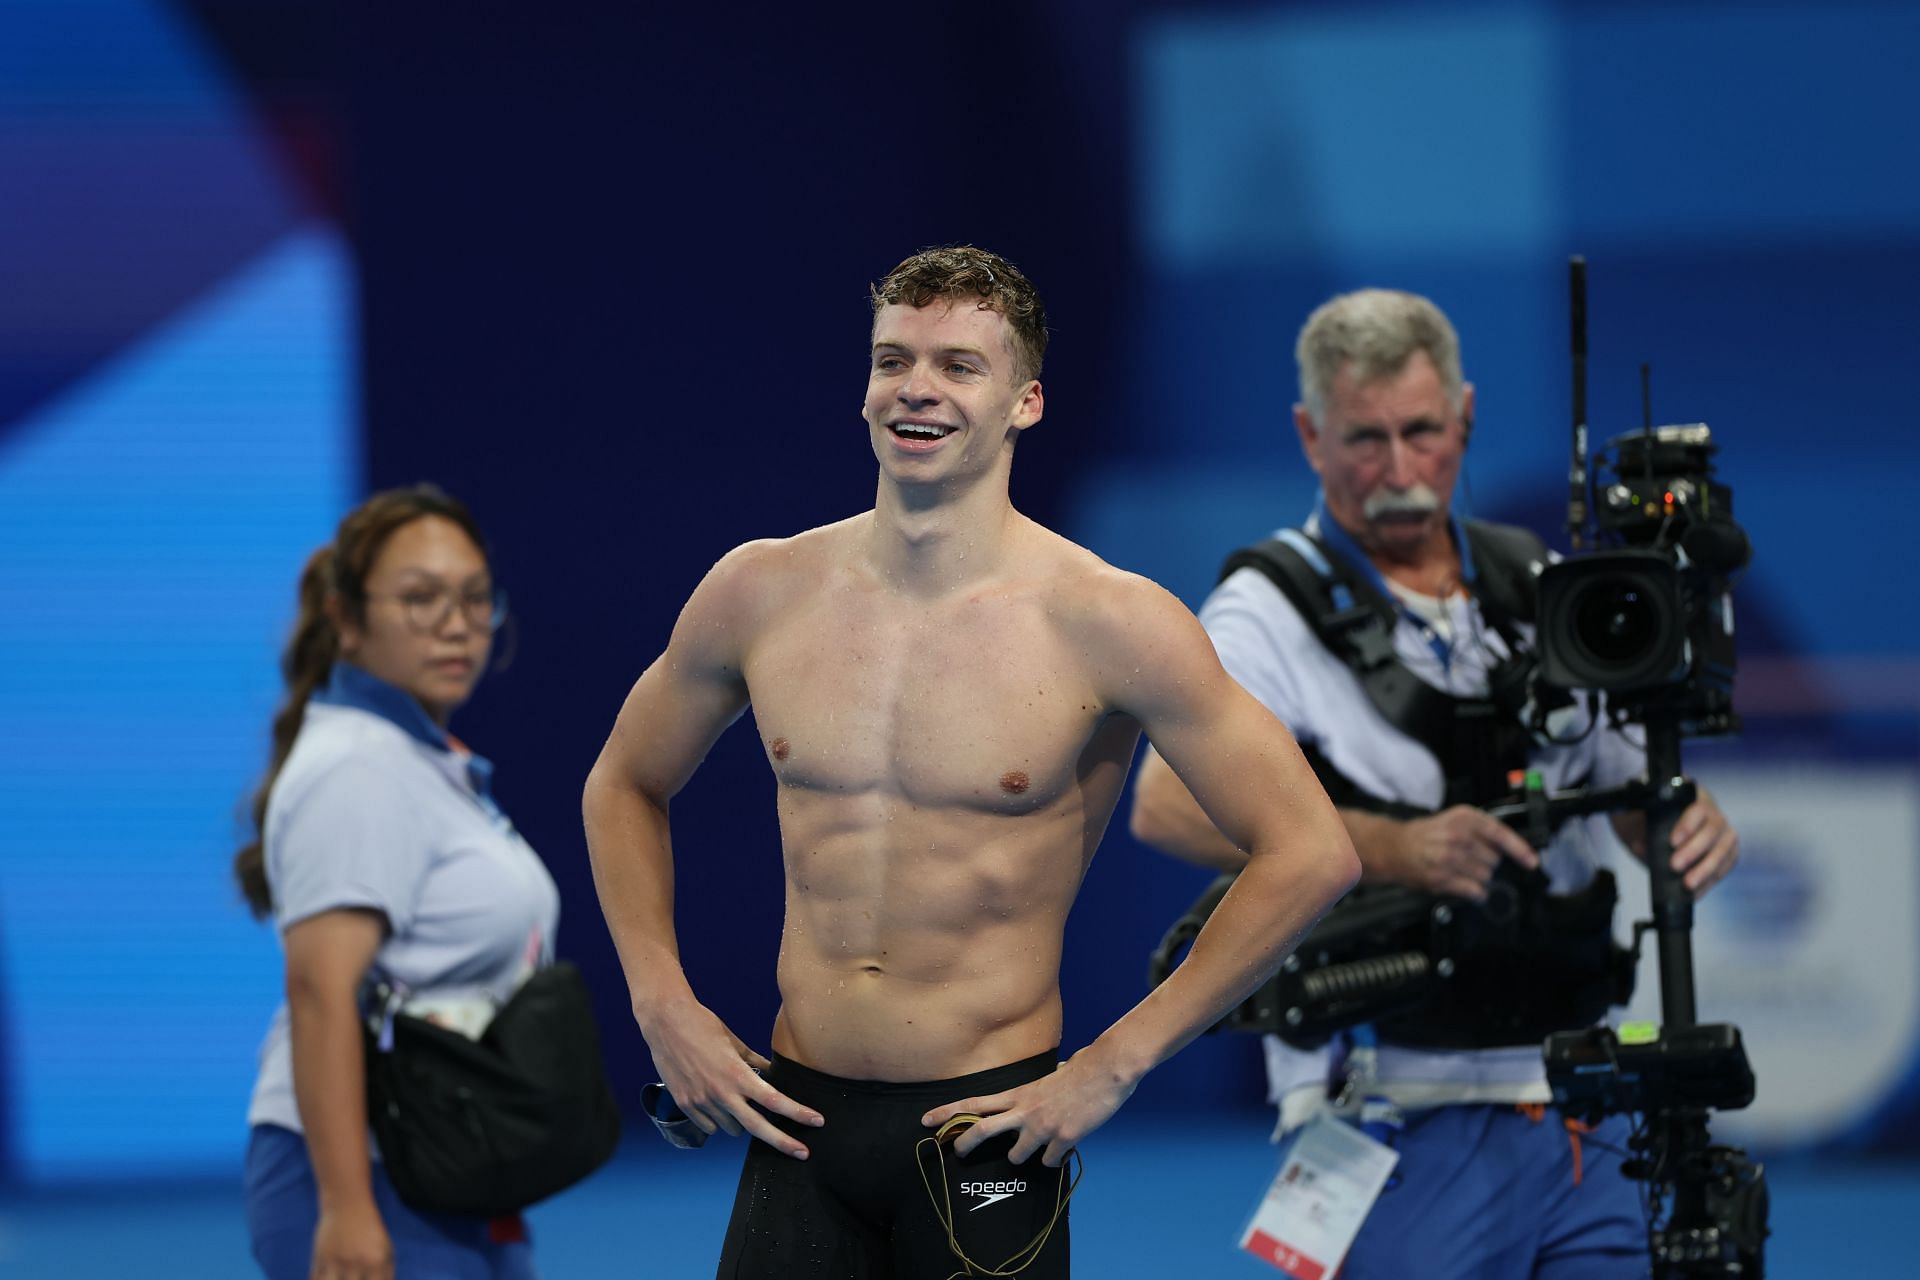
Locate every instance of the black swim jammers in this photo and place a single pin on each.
(858, 1208)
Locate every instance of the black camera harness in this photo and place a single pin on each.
(1538, 964)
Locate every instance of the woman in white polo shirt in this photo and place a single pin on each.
(380, 850)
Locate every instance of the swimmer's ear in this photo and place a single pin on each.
(1031, 405)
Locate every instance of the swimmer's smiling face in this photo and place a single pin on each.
(944, 389)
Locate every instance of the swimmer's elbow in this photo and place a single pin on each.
(610, 788)
(1323, 868)
(599, 781)
(1340, 867)
(1340, 855)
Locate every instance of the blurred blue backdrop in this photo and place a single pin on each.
(601, 272)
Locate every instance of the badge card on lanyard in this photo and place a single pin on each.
(1316, 1204)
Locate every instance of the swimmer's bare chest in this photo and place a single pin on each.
(976, 705)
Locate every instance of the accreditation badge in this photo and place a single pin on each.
(1316, 1204)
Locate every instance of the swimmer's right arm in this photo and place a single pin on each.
(671, 718)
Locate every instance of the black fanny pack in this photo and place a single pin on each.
(490, 1126)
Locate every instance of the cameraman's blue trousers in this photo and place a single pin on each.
(1497, 1192)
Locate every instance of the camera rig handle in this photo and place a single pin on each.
(1536, 813)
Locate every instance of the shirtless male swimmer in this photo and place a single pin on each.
(949, 696)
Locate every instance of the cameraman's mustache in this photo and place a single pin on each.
(1417, 501)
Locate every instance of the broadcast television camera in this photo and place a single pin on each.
(1649, 620)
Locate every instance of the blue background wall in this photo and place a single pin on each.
(602, 274)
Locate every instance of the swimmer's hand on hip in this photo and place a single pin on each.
(1051, 1114)
(711, 1075)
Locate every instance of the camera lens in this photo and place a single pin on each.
(1615, 621)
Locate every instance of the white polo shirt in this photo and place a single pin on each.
(377, 808)
(1266, 645)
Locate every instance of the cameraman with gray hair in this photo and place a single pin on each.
(1325, 624)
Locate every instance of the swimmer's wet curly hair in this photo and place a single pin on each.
(963, 271)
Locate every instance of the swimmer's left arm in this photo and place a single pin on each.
(1150, 659)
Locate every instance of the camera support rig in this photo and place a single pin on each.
(1715, 1222)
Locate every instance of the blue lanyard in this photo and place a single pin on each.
(1341, 543)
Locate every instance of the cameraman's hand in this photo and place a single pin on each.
(1456, 852)
(1705, 845)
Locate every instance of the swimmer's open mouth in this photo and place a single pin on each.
(920, 430)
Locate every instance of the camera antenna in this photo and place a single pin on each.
(1577, 475)
(1646, 412)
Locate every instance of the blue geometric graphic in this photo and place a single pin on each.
(152, 523)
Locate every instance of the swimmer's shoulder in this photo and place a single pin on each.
(765, 574)
(1084, 590)
(1112, 614)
